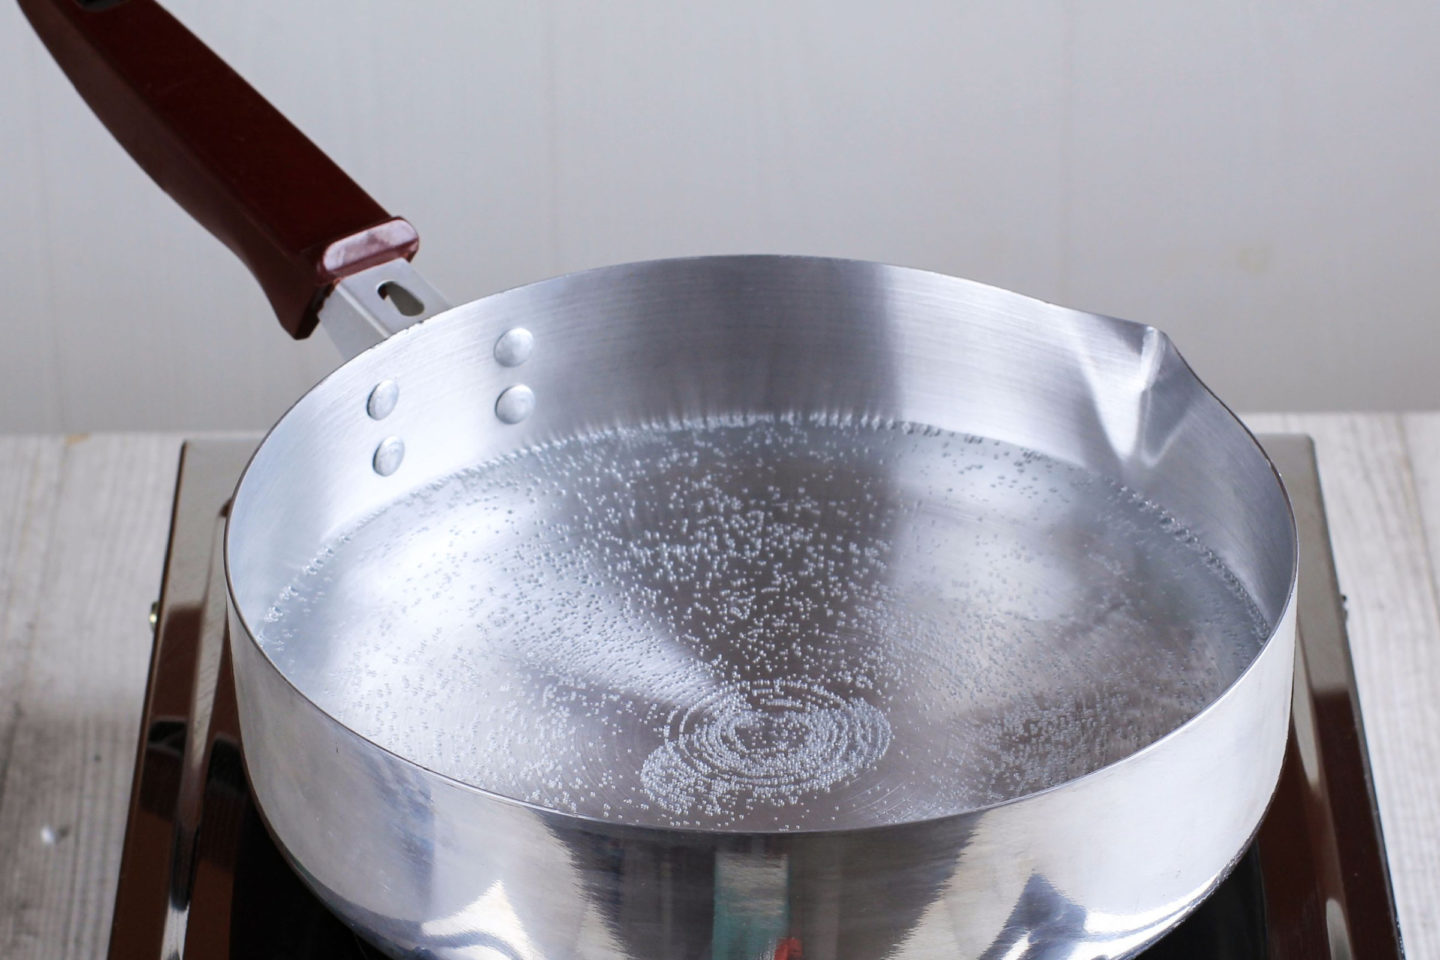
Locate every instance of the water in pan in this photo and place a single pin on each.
(766, 625)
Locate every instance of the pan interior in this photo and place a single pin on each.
(765, 623)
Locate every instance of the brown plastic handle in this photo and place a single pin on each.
(222, 151)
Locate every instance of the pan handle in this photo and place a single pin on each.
(222, 151)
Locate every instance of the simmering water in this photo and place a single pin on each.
(773, 625)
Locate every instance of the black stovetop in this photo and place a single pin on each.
(201, 878)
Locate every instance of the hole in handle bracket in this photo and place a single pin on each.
(405, 301)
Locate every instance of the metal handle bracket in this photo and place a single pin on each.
(370, 306)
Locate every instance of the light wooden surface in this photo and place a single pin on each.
(82, 533)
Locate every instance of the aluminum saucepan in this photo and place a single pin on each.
(729, 607)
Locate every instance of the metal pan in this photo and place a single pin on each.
(726, 607)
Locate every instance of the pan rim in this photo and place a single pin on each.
(1281, 630)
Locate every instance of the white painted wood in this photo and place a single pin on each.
(29, 483)
(82, 531)
(79, 694)
(1422, 437)
(1256, 179)
(1386, 572)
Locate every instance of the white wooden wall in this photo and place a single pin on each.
(1262, 180)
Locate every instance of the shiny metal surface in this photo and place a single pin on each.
(1092, 866)
(1333, 898)
(765, 625)
(193, 774)
(187, 777)
(362, 311)
(514, 347)
(381, 402)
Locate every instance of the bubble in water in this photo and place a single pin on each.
(766, 624)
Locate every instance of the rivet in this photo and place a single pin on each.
(388, 456)
(514, 346)
(515, 404)
(382, 399)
